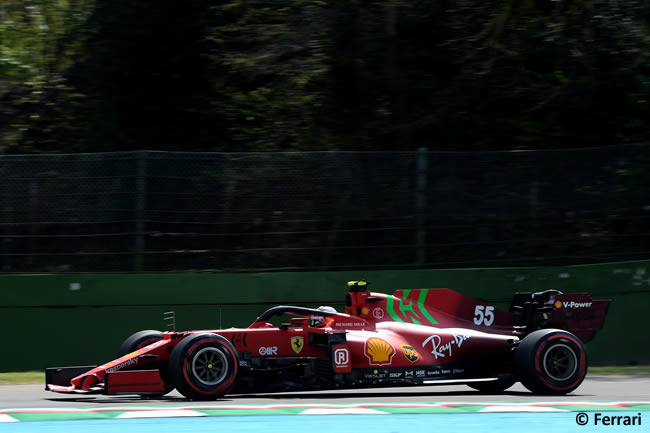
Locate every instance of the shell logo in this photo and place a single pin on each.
(379, 352)
(558, 304)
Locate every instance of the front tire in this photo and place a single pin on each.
(551, 361)
(203, 366)
(138, 341)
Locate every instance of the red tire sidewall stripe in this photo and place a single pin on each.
(582, 362)
(226, 384)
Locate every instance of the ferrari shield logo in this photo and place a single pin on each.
(297, 344)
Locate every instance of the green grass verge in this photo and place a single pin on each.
(620, 369)
(38, 377)
(22, 378)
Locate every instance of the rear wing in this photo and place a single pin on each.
(577, 313)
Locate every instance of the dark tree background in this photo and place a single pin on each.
(207, 75)
(84, 76)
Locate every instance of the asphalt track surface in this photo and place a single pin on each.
(593, 389)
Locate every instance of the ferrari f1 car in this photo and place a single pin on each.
(413, 337)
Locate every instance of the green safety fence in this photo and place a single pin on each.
(78, 319)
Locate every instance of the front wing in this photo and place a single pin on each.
(121, 382)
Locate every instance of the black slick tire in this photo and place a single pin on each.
(138, 341)
(203, 366)
(551, 362)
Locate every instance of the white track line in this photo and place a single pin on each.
(161, 414)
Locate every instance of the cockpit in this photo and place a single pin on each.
(358, 302)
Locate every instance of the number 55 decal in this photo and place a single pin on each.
(483, 315)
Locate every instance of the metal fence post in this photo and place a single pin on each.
(421, 203)
(31, 260)
(140, 198)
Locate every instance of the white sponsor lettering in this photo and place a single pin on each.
(341, 357)
(420, 373)
(574, 304)
(378, 313)
(440, 350)
(408, 374)
(118, 367)
(272, 350)
(393, 375)
(343, 324)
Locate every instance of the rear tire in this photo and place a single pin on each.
(203, 366)
(551, 362)
(138, 341)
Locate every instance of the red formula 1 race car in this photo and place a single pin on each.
(413, 337)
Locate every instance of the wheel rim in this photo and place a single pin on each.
(560, 362)
(210, 366)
